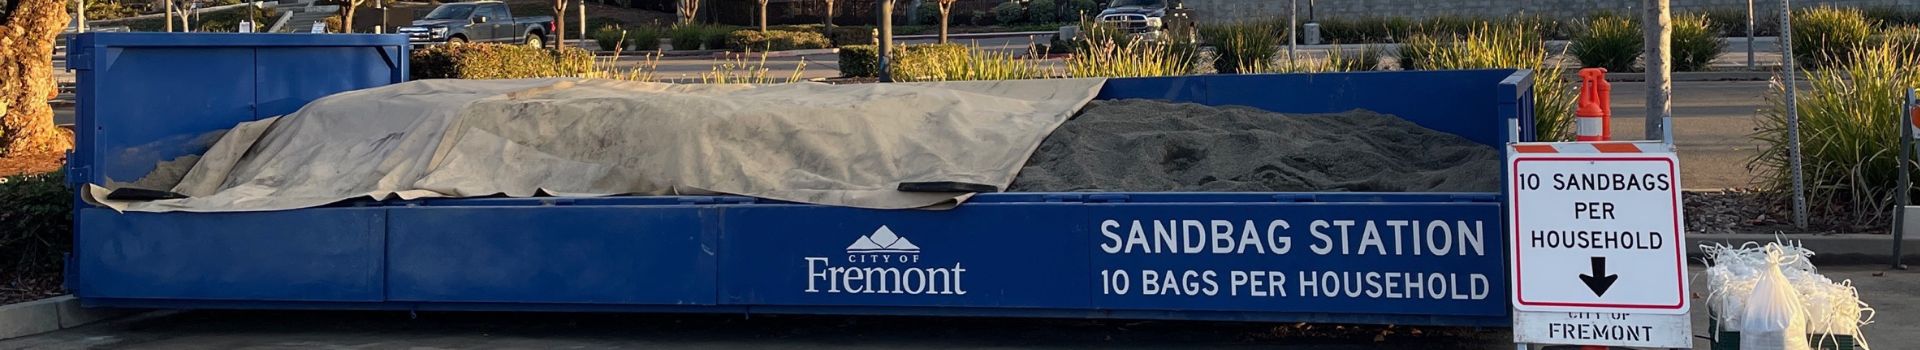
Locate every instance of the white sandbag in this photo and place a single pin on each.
(1833, 308)
(1775, 317)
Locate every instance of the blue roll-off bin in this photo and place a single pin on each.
(152, 97)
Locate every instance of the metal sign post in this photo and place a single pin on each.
(1908, 120)
(1293, 25)
(1750, 35)
(1793, 114)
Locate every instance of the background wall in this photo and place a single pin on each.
(1231, 10)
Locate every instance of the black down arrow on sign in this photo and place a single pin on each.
(1600, 280)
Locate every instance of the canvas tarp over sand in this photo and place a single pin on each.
(844, 145)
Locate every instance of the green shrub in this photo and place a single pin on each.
(1849, 138)
(775, 40)
(1368, 58)
(1007, 13)
(744, 69)
(1903, 38)
(1732, 22)
(1398, 29)
(609, 38)
(1449, 25)
(497, 61)
(105, 10)
(953, 62)
(924, 62)
(859, 60)
(1889, 16)
(1365, 30)
(816, 28)
(1104, 51)
(643, 38)
(598, 23)
(1510, 45)
(1610, 42)
(1248, 47)
(229, 20)
(1041, 11)
(1826, 35)
(1072, 10)
(851, 35)
(36, 222)
(927, 14)
(1695, 44)
(687, 37)
(983, 18)
(715, 37)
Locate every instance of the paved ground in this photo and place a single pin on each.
(1895, 295)
(391, 330)
(1712, 123)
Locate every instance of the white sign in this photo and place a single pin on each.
(246, 26)
(1601, 328)
(318, 27)
(1596, 232)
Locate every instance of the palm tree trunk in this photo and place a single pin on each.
(763, 16)
(26, 79)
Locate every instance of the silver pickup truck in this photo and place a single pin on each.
(481, 21)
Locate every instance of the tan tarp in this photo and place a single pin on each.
(843, 145)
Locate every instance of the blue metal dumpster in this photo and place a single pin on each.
(1393, 258)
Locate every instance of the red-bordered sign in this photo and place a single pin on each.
(1576, 259)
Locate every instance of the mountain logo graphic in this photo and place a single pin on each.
(883, 241)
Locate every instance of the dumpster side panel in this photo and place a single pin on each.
(150, 97)
(290, 76)
(326, 254)
(1358, 261)
(553, 254)
(1461, 102)
(178, 107)
(1344, 258)
(991, 255)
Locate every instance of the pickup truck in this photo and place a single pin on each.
(1149, 18)
(481, 21)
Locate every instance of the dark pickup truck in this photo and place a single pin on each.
(482, 21)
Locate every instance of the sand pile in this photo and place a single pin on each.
(1156, 146)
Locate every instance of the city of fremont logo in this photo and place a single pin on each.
(883, 263)
(882, 241)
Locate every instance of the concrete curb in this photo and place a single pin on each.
(976, 35)
(778, 54)
(50, 314)
(1844, 248)
(663, 53)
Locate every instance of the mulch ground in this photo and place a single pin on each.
(22, 287)
(1751, 211)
